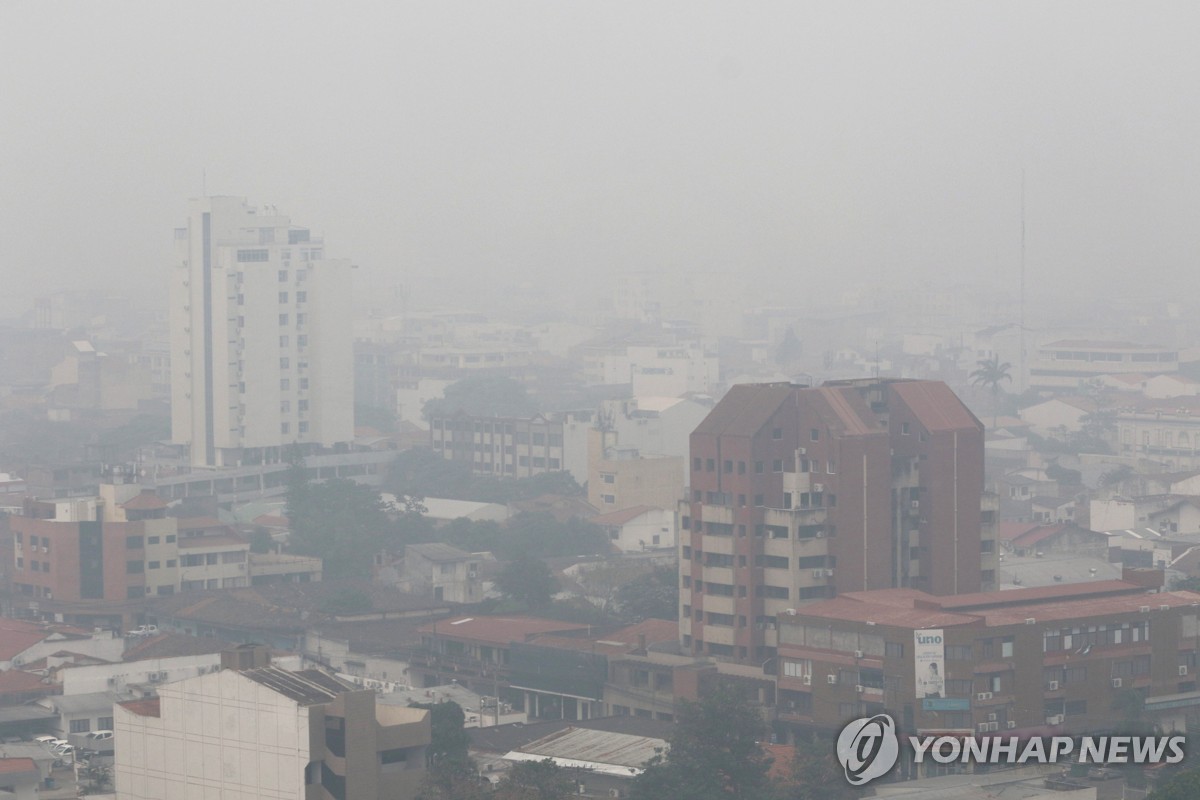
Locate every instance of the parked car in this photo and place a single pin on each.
(98, 736)
(144, 630)
(50, 741)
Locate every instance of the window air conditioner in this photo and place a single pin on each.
(818, 487)
(1116, 683)
(859, 688)
(1145, 609)
(858, 653)
(806, 680)
(831, 679)
(1052, 686)
(1011, 724)
(983, 727)
(1057, 719)
(1183, 670)
(992, 717)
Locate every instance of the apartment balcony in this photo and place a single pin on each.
(718, 514)
(792, 518)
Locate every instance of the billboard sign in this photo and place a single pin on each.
(929, 660)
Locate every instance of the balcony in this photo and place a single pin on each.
(718, 514)
(791, 518)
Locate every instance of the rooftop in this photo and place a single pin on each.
(147, 500)
(143, 708)
(438, 551)
(15, 766)
(307, 687)
(622, 516)
(498, 630)
(171, 645)
(597, 747)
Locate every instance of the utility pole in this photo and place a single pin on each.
(1021, 379)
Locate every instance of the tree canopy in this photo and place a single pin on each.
(1183, 786)
(482, 396)
(528, 580)
(653, 595)
(423, 473)
(714, 754)
(342, 522)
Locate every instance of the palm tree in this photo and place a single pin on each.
(991, 374)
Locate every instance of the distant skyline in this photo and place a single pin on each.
(800, 147)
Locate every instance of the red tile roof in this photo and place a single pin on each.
(17, 636)
(15, 681)
(12, 766)
(498, 630)
(622, 516)
(146, 501)
(143, 708)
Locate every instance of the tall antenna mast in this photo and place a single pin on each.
(1021, 367)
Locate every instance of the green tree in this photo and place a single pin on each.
(655, 594)
(447, 751)
(528, 580)
(482, 396)
(1183, 786)
(536, 780)
(990, 374)
(714, 754)
(816, 774)
(342, 522)
(261, 541)
(454, 786)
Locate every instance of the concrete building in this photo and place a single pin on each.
(623, 477)
(639, 528)
(1059, 366)
(252, 730)
(261, 336)
(800, 493)
(1166, 431)
(1053, 657)
(503, 447)
(19, 778)
(446, 572)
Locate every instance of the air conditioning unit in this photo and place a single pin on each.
(983, 727)
(984, 696)
(1011, 724)
(828, 573)
(818, 487)
(817, 573)
(1052, 686)
(112, 681)
(992, 717)
(806, 680)
(1160, 608)
(859, 688)
(831, 679)
(472, 574)
(858, 653)
(820, 534)
(1030, 621)
(1116, 683)
(1145, 609)
(802, 451)
(993, 726)
(1183, 670)
(1057, 719)
(770, 626)
(915, 504)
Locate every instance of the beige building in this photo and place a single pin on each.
(1061, 365)
(620, 478)
(1165, 430)
(253, 731)
(446, 572)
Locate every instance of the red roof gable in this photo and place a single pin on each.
(143, 708)
(12, 766)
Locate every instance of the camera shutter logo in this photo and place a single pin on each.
(868, 748)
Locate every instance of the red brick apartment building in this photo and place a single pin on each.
(1055, 658)
(798, 494)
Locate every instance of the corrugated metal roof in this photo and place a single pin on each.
(745, 409)
(307, 687)
(601, 747)
(936, 407)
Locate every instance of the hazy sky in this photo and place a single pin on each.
(796, 145)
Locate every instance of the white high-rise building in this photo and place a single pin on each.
(261, 336)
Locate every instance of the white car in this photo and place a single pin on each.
(98, 736)
(144, 630)
(50, 741)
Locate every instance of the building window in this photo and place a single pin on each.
(304, 426)
(283, 276)
(777, 465)
(153, 565)
(893, 650)
(814, 434)
(285, 384)
(285, 427)
(283, 297)
(301, 297)
(133, 567)
(152, 540)
(904, 429)
(133, 543)
(608, 499)
(80, 725)
(283, 319)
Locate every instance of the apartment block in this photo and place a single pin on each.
(624, 477)
(1019, 660)
(504, 447)
(254, 730)
(261, 336)
(1061, 365)
(798, 494)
